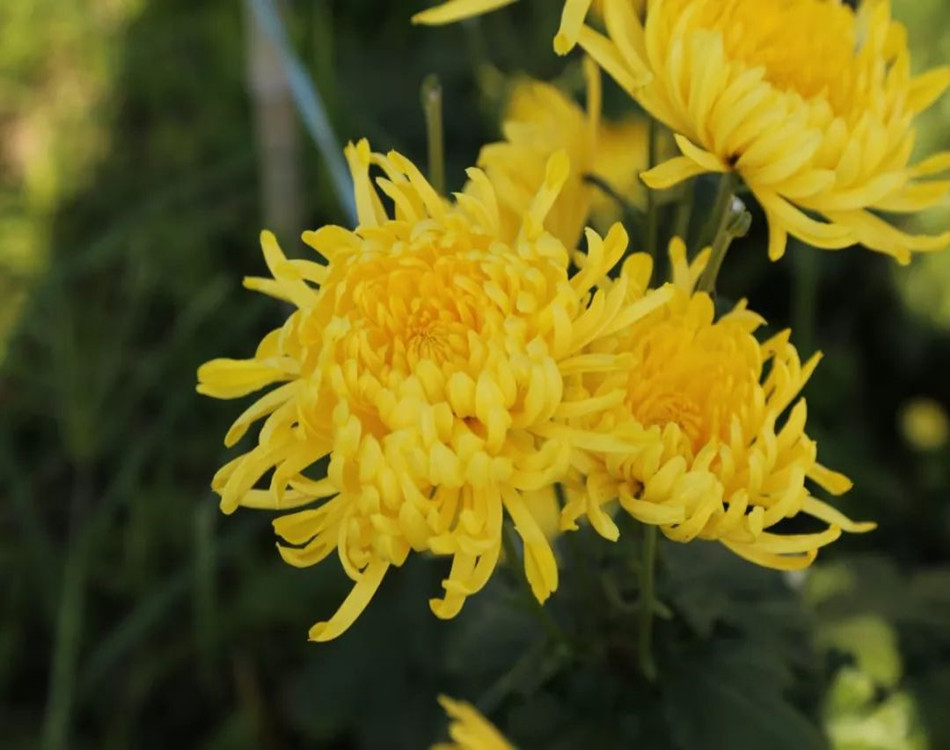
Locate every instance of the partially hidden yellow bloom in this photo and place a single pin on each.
(715, 455)
(470, 730)
(925, 424)
(810, 101)
(427, 361)
(541, 120)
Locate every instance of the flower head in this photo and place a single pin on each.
(713, 454)
(810, 101)
(426, 361)
(924, 424)
(540, 121)
(469, 729)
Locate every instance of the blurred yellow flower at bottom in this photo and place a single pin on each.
(470, 730)
(924, 424)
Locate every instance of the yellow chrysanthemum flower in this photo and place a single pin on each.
(704, 405)
(541, 120)
(470, 730)
(427, 361)
(924, 424)
(811, 102)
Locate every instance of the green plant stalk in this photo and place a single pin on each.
(59, 706)
(684, 211)
(725, 231)
(526, 665)
(631, 213)
(653, 207)
(309, 103)
(647, 603)
(805, 275)
(432, 107)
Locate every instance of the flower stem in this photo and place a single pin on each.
(432, 107)
(684, 211)
(309, 103)
(647, 602)
(734, 222)
(805, 280)
(653, 212)
(632, 213)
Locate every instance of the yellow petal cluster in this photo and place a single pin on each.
(470, 730)
(715, 424)
(811, 102)
(541, 120)
(424, 366)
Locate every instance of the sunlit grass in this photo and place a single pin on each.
(57, 65)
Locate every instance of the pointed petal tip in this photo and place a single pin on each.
(318, 633)
(562, 44)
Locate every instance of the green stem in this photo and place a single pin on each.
(551, 628)
(805, 272)
(308, 101)
(60, 699)
(733, 222)
(653, 212)
(632, 213)
(509, 682)
(432, 106)
(647, 602)
(684, 212)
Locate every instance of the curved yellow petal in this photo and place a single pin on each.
(457, 10)
(709, 161)
(824, 512)
(539, 564)
(672, 172)
(354, 604)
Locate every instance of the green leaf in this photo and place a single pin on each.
(872, 642)
(729, 696)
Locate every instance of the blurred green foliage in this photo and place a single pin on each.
(133, 615)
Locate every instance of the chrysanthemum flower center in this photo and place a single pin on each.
(809, 47)
(663, 407)
(414, 307)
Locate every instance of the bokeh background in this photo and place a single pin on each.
(143, 144)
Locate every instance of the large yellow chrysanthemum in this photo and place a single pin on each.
(470, 730)
(541, 120)
(427, 361)
(716, 456)
(809, 101)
